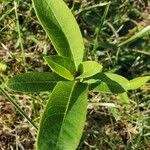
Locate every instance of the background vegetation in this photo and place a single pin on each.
(105, 26)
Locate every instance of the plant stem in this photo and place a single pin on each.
(76, 13)
(144, 32)
(74, 1)
(99, 28)
(5, 14)
(11, 100)
(19, 33)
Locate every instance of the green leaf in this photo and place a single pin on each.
(114, 83)
(108, 83)
(61, 27)
(108, 86)
(62, 66)
(64, 117)
(34, 82)
(138, 82)
(88, 68)
(119, 79)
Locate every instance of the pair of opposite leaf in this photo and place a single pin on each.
(63, 120)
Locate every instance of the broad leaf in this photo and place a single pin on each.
(108, 86)
(34, 82)
(114, 83)
(61, 27)
(108, 83)
(138, 82)
(119, 79)
(62, 66)
(64, 117)
(88, 68)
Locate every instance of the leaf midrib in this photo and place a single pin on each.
(33, 82)
(60, 27)
(67, 106)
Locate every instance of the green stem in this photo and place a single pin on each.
(17, 107)
(19, 33)
(99, 28)
(74, 1)
(144, 32)
(76, 13)
(5, 14)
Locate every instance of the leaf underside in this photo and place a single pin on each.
(114, 83)
(108, 83)
(34, 82)
(64, 117)
(61, 27)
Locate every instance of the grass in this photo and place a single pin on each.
(104, 26)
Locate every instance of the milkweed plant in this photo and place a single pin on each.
(72, 77)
